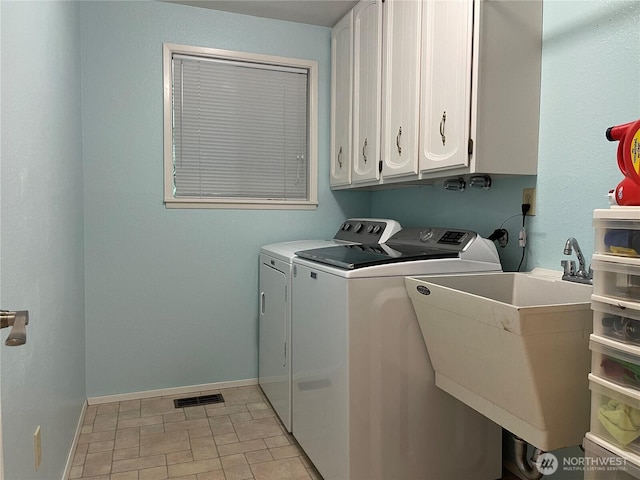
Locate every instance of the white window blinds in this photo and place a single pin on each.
(240, 129)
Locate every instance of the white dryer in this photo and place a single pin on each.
(274, 370)
(365, 404)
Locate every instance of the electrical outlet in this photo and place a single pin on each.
(37, 447)
(529, 196)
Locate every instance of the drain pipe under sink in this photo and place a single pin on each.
(526, 466)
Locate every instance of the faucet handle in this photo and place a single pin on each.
(569, 267)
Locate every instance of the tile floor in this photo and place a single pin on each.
(150, 439)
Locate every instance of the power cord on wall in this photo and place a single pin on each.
(501, 235)
(522, 237)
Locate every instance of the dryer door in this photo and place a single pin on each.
(274, 366)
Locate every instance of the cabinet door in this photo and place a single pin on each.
(401, 80)
(341, 88)
(446, 84)
(367, 89)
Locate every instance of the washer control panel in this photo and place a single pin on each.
(367, 230)
(434, 237)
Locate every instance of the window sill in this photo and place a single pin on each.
(241, 204)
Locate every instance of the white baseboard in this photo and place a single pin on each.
(74, 444)
(163, 392)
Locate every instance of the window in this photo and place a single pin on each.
(240, 129)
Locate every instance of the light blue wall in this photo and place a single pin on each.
(590, 81)
(41, 267)
(171, 294)
(475, 209)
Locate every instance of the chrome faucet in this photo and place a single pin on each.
(581, 275)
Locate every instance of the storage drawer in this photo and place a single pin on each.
(604, 461)
(617, 231)
(616, 277)
(619, 320)
(615, 361)
(615, 413)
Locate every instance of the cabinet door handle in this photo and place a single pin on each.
(442, 125)
(364, 155)
(262, 303)
(340, 157)
(398, 141)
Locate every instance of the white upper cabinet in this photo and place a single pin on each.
(401, 86)
(497, 67)
(460, 90)
(446, 84)
(505, 95)
(367, 90)
(341, 98)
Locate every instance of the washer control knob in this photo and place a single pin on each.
(357, 228)
(370, 228)
(346, 226)
(377, 228)
(426, 235)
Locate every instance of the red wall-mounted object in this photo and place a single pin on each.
(628, 135)
(628, 190)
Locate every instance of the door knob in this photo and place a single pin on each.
(18, 321)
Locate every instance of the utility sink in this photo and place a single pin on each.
(513, 346)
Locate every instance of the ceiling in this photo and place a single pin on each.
(315, 12)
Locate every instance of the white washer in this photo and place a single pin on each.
(365, 404)
(274, 371)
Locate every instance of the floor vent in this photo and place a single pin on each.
(195, 401)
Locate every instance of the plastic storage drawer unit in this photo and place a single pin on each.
(619, 320)
(604, 461)
(616, 277)
(615, 413)
(617, 231)
(616, 362)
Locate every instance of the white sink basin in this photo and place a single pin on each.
(513, 346)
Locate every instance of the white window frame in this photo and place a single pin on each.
(311, 66)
